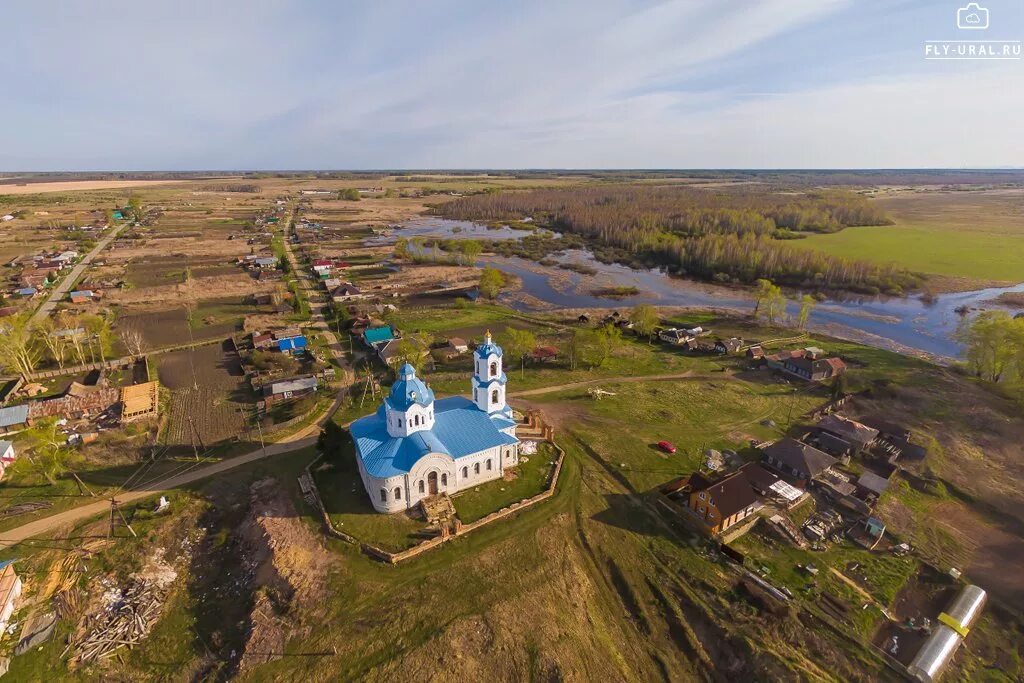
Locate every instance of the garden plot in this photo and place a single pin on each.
(211, 318)
(206, 383)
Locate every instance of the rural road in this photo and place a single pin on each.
(71, 278)
(79, 514)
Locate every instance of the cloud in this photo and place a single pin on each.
(456, 84)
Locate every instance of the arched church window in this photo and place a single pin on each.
(476, 468)
(444, 480)
(398, 494)
(422, 490)
(494, 369)
(494, 396)
(383, 495)
(488, 463)
(465, 472)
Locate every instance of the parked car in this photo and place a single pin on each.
(666, 446)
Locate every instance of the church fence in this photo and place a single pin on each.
(308, 484)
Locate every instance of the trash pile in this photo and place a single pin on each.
(126, 615)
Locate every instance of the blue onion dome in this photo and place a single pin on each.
(409, 389)
(488, 347)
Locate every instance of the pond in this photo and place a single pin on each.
(909, 324)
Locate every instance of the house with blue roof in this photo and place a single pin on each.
(417, 446)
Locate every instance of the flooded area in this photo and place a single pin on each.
(908, 324)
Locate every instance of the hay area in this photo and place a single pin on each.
(287, 566)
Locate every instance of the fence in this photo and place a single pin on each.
(79, 369)
(308, 485)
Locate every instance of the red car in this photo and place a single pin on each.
(666, 446)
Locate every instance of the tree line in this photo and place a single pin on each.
(67, 339)
(727, 236)
(994, 347)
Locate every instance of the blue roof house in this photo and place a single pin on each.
(292, 345)
(377, 335)
(416, 445)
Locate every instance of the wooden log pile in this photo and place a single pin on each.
(124, 623)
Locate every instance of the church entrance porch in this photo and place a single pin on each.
(437, 509)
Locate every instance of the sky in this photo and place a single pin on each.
(459, 84)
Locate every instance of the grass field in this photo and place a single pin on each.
(929, 249)
(978, 236)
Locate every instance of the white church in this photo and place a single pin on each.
(414, 446)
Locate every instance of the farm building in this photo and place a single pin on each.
(10, 591)
(140, 401)
(543, 354)
(82, 296)
(792, 458)
(846, 432)
(14, 417)
(288, 389)
(26, 291)
(414, 447)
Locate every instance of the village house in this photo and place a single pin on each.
(263, 340)
(543, 354)
(415, 446)
(808, 364)
(83, 296)
(10, 591)
(841, 436)
(674, 336)
(797, 461)
(346, 291)
(729, 346)
(755, 353)
(265, 263)
(290, 340)
(454, 347)
(721, 503)
(379, 335)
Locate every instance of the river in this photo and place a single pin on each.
(907, 324)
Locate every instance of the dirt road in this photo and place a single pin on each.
(71, 278)
(79, 514)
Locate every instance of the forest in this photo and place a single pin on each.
(728, 235)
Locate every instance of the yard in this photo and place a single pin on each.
(349, 508)
(524, 481)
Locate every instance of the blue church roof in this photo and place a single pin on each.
(488, 347)
(460, 429)
(409, 389)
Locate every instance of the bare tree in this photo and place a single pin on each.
(133, 340)
(19, 345)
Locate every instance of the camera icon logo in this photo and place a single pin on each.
(972, 17)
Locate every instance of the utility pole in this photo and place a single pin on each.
(116, 510)
(259, 427)
(194, 437)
